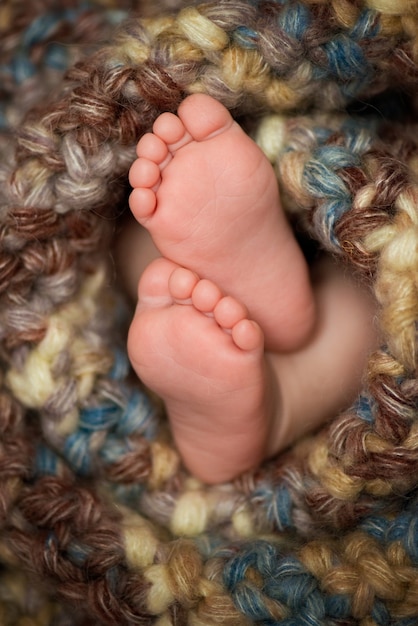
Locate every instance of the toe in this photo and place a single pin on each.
(206, 296)
(144, 173)
(204, 117)
(142, 203)
(181, 284)
(170, 129)
(248, 335)
(153, 285)
(153, 148)
(229, 311)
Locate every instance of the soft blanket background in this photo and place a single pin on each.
(99, 522)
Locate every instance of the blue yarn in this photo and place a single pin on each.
(403, 529)
(99, 418)
(337, 606)
(295, 19)
(4, 123)
(302, 620)
(364, 408)
(56, 57)
(334, 211)
(245, 37)
(336, 157)
(114, 449)
(78, 552)
(249, 600)
(21, 67)
(366, 26)
(138, 415)
(284, 580)
(346, 59)
(322, 181)
(46, 461)
(77, 452)
(129, 414)
(292, 585)
(332, 158)
(380, 614)
(376, 527)
(322, 134)
(258, 554)
(41, 27)
(256, 3)
(121, 365)
(359, 135)
(113, 577)
(129, 495)
(277, 503)
(399, 529)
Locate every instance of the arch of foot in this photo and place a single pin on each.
(70, 160)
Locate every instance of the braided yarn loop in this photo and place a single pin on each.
(100, 522)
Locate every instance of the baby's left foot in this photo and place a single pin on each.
(201, 354)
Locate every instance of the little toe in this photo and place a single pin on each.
(204, 117)
(181, 284)
(248, 336)
(229, 311)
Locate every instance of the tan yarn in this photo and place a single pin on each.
(98, 518)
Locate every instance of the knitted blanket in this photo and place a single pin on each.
(100, 524)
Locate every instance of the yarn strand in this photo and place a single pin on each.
(100, 523)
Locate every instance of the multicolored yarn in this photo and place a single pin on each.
(39, 41)
(100, 523)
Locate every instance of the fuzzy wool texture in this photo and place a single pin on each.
(99, 522)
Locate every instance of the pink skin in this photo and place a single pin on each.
(209, 198)
(245, 352)
(199, 350)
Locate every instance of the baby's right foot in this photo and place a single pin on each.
(202, 355)
(209, 198)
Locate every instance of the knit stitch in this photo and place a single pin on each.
(100, 523)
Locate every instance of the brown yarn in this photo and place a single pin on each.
(332, 521)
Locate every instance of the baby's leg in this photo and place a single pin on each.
(209, 198)
(323, 378)
(199, 351)
(230, 406)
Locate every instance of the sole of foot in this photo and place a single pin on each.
(209, 198)
(201, 353)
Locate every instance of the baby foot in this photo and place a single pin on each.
(203, 356)
(209, 198)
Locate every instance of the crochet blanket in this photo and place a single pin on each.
(100, 523)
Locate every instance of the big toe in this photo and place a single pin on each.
(153, 288)
(204, 117)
